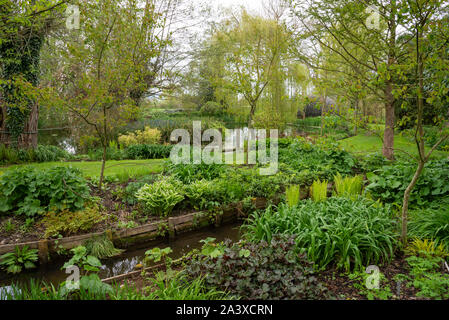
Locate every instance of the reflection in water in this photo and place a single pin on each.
(127, 262)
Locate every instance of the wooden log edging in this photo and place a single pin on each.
(174, 226)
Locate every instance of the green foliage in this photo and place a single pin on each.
(382, 293)
(146, 151)
(188, 173)
(211, 249)
(82, 259)
(169, 286)
(128, 194)
(157, 255)
(14, 262)
(426, 248)
(147, 136)
(40, 154)
(432, 135)
(68, 223)
(425, 276)
(347, 233)
(292, 195)
(101, 247)
(34, 290)
(348, 186)
(318, 190)
(324, 160)
(372, 161)
(162, 196)
(389, 183)
(195, 194)
(8, 226)
(271, 270)
(211, 108)
(430, 224)
(29, 191)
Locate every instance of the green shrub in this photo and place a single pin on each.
(430, 224)
(389, 183)
(372, 161)
(196, 192)
(324, 160)
(145, 151)
(348, 233)
(146, 136)
(128, 193)
(162, 196)
(211, 108)
(188, 173)
(30, 191)
(14, 262)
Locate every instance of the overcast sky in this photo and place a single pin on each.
(251, 5)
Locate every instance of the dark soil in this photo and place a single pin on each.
(343, 288)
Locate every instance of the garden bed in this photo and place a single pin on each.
(172, 226)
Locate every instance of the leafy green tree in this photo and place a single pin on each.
(106, 64)
(253, 47)
(349, 25)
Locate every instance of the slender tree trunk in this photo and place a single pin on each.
(104, 143)
(103, 164)
(419, 137)
(406, 199)
(355, 115)
(388, 146)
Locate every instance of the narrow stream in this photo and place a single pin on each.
(127, 261)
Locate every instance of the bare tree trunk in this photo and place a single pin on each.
(104, 144)
(355, 115)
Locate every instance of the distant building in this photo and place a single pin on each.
(313, 109)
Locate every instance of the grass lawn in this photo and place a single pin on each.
(363, 144)
(92, 168)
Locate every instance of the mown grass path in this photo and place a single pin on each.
(92, 168)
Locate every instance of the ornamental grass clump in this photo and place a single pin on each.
(350, 234)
